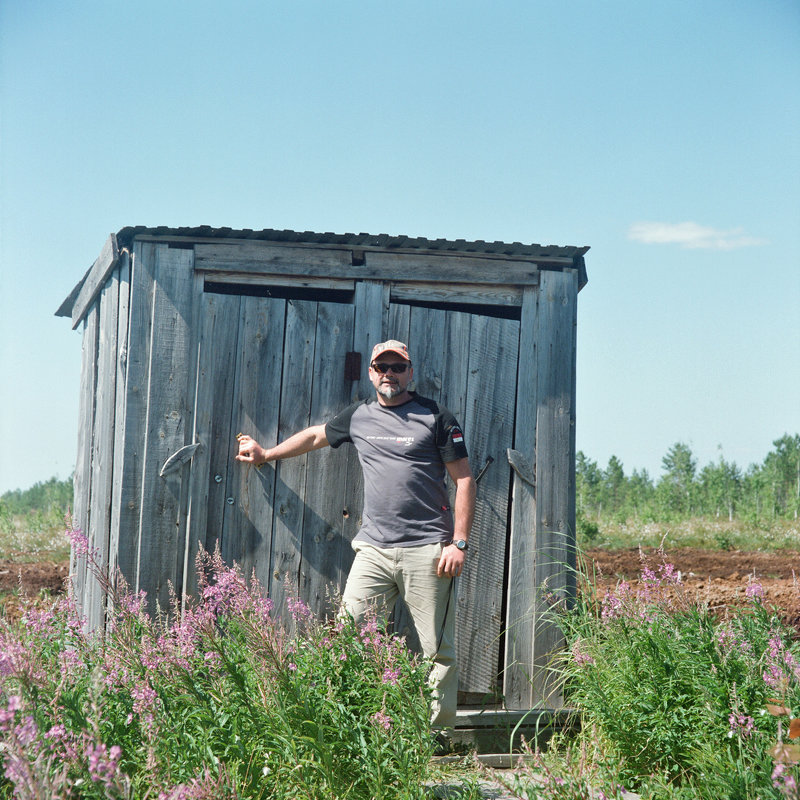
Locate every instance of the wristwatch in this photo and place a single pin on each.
(461, 544)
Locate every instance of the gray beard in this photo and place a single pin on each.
(388, 392)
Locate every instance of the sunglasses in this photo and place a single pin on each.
(381, 368)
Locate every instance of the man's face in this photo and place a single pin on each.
(387, 382)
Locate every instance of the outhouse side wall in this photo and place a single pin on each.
(103, 312)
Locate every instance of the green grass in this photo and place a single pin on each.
(33, 536)
(708, 533)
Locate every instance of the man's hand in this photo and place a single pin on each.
(451, 562)
(250, 451)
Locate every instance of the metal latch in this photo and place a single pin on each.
(352, 366)
(521, 466)
(178, 459)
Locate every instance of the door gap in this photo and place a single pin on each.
(281, 292)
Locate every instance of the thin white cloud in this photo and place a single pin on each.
(692, 236)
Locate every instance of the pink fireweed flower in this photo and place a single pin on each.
(730, 640)
(784, 781)
(614, 602)
(391, 675)
(79, 541)
(133, 604)
(780, 665)
(382, 720)
(58, 733)
(26, 731)
(298, 609)
(669, 574)
(580, 656)
(39, 622)
(103, 763)
(740, 724)
(754, 591)
(7, 714)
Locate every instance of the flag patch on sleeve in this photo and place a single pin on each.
(456, 435)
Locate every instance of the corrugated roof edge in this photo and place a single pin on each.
(126, 236)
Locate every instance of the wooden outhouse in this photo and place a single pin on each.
(191, 336)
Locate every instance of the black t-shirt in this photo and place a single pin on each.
(403, 451)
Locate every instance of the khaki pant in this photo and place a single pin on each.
(378, 576)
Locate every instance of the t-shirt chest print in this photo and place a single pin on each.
(406, 501)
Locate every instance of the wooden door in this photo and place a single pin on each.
(270, 367)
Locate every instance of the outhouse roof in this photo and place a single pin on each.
(536, 252)
(552, 256)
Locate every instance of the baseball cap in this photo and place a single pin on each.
(390, 346)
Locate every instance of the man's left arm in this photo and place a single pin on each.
(452, 561)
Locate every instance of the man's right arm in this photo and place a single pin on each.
(251, 452)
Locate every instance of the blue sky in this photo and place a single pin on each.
(664, 135)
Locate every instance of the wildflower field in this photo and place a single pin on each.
(676, 699)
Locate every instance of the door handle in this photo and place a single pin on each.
(179, 458)
(521, 466)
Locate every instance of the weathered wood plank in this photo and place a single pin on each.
(128, 498)
(168, 410)
(555, 458)
(542, 522)
(371, 303)
(299, 281)
(102, 447)
(477, 294)
(95, 279)
(82, 479)
(299, 369)
(216, 347)
(450, 268)
(123, 318)
(322, 543)
(489, 423)
(247, 524)
(257, 257)
(426, 346)
(399, 323)
(520, 604)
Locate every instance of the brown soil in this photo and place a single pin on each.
(29, 580)
(717, 578)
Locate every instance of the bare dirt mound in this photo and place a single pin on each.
(31, 578)
(717, 578)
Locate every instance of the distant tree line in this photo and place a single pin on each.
(43, 505)
(720, 489)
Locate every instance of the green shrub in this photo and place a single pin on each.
(673, 702)
(219, 701)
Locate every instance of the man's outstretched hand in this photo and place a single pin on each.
(250, 451)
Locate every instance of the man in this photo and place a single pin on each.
(410, 543)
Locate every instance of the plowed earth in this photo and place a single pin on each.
(717, 578)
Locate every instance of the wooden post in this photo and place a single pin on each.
(542, 557)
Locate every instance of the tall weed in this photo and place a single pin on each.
(220, 701)
(673, 702)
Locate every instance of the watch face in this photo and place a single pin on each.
(461, 544)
